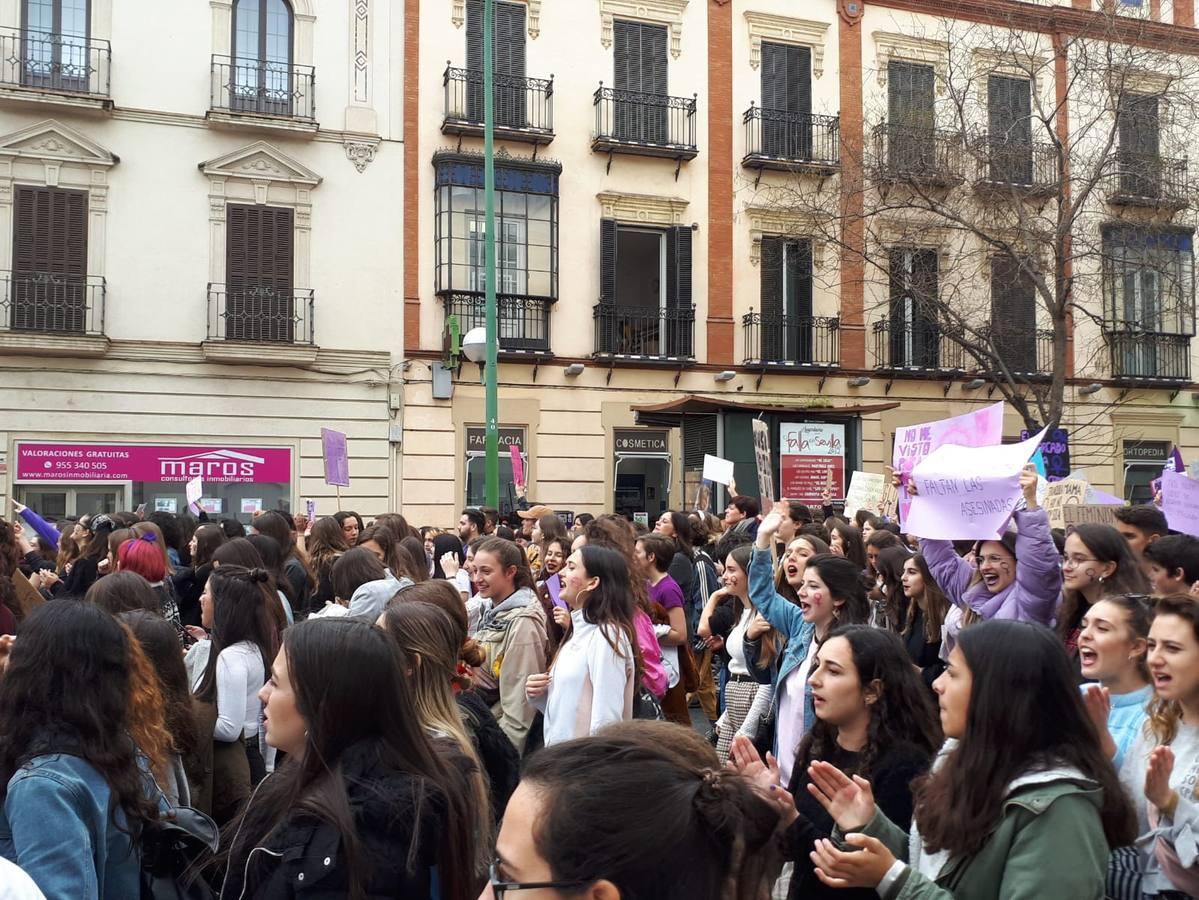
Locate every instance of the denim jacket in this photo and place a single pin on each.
(56, 825)
(783, 616)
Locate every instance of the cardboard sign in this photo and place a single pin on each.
(811, 461)
(968, 492)
(889, 503)
(1180, 502)
(703, 496)
(518, 464)
(336, 456)
(1101, 514)
(981, 428)
(1061, 494)
(865, 492)
(717, 470)
(762, 461)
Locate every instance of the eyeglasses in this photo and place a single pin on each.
(500, 888)
(1073, 562)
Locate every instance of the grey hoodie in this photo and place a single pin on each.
(370, 598)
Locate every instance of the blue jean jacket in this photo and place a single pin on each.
(56, 825)
(787, 619)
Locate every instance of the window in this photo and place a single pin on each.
(910, 116)
(1013, 315)
(508, 62)
(639, 54)
(1009, 111)
(1138, 128)
(56, 44)
(49, 278)
(645, 291)
(262, 56)
(915, 336)
(786, 296)
(260, 302)
(1149, 279)
(786, 101)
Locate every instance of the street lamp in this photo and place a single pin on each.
(474, 345)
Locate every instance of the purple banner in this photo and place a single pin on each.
(337, 457)
(214, 464)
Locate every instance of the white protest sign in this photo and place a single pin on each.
(968, 492)
(717, 469)
(194, 490)
(865, 492)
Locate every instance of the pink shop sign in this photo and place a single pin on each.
(214, 463)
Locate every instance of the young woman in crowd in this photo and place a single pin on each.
(382, 541)
(240, 655)
(875, 720)
(144, 556)
(361, 585)
(272, 560)
(124, 592)
(1111, 650)
(593, 678)
(1162, 767)
(845, 540)
(325, 545)
(351, 526)
(86, 569)
(189, 580)
(652, 556)
(879, 540)
(547, 528)
(418, 564)
(928, 608)
(74, 797)
(1016, 577)
(889, 604)
(554, 553)
(1021, 803)
(677, 526)
(279, 526)
(704, 832)
(244, 552)
(1097, 561)
(445, 544)
(397, 524)
(512, 634)
(367, 805)
(447, 644)
(746, 702)
(831, 594)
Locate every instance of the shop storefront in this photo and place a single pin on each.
(58, 479)
(1143, 462)
(476, 465)
(643, 470)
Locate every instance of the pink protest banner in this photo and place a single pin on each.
(1180, 502)
(913, 443)
(214, 463)
(518, 464)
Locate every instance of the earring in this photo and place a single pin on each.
(1101, 579)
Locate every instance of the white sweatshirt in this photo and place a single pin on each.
(592, 684)
(239, 678)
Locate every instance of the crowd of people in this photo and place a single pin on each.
(783, 702)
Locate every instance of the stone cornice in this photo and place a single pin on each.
(639, 209)
(659, 12)
(786, 30)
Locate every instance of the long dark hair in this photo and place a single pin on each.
(281, 527)
(413, 548)
(329, 661)
(241, 602)
(67, 689)
(904, 712)
(354, 569)
(1107, 545)
(707, 834)
(272, 560)
(610, 605)
(934, 603)
(843, 579)
(891, 560)
(10, 550)
(326, 542)
(1025, 713)
(208, 538)
(122, 592)
(443, 544)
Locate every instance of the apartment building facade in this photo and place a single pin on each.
(200, 210)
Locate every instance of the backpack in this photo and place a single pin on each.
(170, 848)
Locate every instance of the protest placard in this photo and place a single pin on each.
(1180, 502)
(336, 456)
(717, 470)
(762, 461)
(811, 460)
(865, 492)
(968, 492)
(1098, 513)
(518, 464)
(1061, 494)
(194, 490)
(981, 428)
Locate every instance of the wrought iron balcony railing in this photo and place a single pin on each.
(262, 88)
(791, 341)
(644, 124)
(57, 63)
(778, 139)
(1027, 167)
(916, 347)
(52, 303)
(524, 107)
(1027, 355)
(1150, 357)
(1146, 179)
(260, 315)
(915, 154)
(523, 322)
(631, 332)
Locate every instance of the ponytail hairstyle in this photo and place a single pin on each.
(510, 556)
(241, 602)
(707, 834)
(1165, 715)
(445, 596)
(843, 579)
(142, 555)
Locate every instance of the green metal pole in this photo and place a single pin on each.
(490, 375)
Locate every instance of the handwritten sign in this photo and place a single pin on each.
(1061, 494)
(865, 492)
(337, 457)
(717, 470)
(889, 503)
(913, 443)
(518, 464)
(194, 490)
(1180, 502)
(762, 461)
(968, 492)
(811, 460)
(1097, 513)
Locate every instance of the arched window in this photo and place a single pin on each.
(56, 54)
(262, 54)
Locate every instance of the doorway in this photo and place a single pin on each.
(642, 485)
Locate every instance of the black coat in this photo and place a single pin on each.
(303, 857)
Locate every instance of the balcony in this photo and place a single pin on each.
(1148, 180)
(524, 107)
(268, 94)
(907, 348)
(916, 155)
(260, 325)
(644, 124)
(791, 142)
(629, 333)
(523, 322)
(52, 314)
(1148, 358)
(1026, 360)
(791, 342)
(45, 67)
(1015, 167)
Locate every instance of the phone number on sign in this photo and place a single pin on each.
(73, 466)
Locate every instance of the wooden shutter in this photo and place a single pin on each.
(606, 324)
(911, 117)
(49, 290)
(509, 61)
(259, 258)
(786, 100)
(771, 297)
(1009, 111)
(1013, 315)
(678, 291)
(1139, 133)
(639, 66)
(797, 280)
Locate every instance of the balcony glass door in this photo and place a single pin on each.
(56, 45)
(640, 293)
(915, 337)
(1143, 308)
(261, 80)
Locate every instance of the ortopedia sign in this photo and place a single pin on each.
(141, 462)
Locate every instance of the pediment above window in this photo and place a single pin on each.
(50, 140)
(260, 161)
